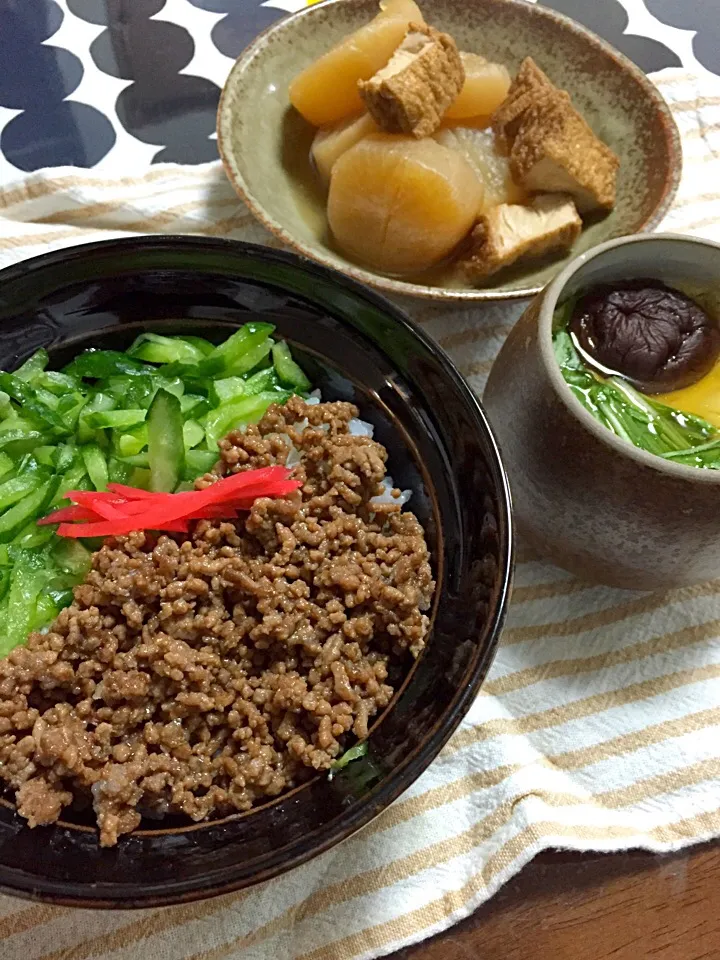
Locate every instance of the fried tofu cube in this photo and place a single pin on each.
(551, 147)
(555, 151)
(511, 231)
(530, 86)
(508, 118)
(411, 94)
(529, 77)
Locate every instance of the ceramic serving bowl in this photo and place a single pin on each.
(355, 346)
(264, 142)
(584, 498)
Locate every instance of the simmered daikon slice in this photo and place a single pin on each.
(486, 86)
(401, 205)
(327, 90)
(332, 142)
(478, 148)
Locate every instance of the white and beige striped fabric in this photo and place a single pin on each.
(598, 725)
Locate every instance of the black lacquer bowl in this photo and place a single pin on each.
(354, 345)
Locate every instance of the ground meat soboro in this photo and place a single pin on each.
(199, 674)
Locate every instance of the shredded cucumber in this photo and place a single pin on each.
(287, 370)
(166, 446)
(633, 416)
(150, 417)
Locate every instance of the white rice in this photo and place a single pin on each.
(361, 428)
(387, 495)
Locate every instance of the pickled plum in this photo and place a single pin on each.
(401, 205)
(327, 90)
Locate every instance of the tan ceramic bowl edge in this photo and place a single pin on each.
(584, 498)
(548, 302)
(666, 126)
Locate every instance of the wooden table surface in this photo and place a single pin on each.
(633, 906)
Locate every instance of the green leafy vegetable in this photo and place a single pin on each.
(71, 557)
(34, 366)
(631, 415)
(354, 753)
(96, 465)
(199, 462)
(101, 364)
(237, 413)
(30, 573)
(287, 370)
(156, 349)
(150, 418)
(193, 434)
(29, 508)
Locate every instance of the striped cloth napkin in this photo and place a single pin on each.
(597, 728)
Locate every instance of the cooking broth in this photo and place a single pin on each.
(702, 398)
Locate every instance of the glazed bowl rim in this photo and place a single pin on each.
(410, 767)
(390, 285)
(548, 302)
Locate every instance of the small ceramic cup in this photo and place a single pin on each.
(584, 498)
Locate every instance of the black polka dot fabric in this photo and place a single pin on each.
(38, 80)
(242, 23)
(609, 19)
(161, 106)
(106, 12)
(129, 83)
(701, 16)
